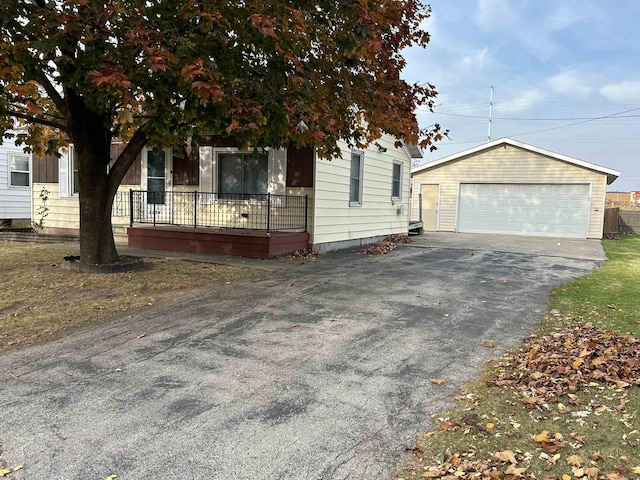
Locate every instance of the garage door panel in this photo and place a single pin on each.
(524, 209)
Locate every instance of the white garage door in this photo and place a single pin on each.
(559, 210)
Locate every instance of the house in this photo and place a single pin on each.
(15, 185)
(258, 203)
(510, 187)
(623, 198)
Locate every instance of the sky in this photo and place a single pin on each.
(565, 73)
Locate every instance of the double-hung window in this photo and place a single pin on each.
(355, 186)
(74, 182)
(243, 175)
(396, 182)
(20, 175)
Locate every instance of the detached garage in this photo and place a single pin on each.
(509, 187)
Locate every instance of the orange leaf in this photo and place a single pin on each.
(543, 436)
(437, 381)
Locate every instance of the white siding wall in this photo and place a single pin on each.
(335, 223)
(15, 202)
(504, 165)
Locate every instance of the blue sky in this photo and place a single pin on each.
(552, 63)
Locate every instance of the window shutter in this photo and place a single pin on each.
(278, 173)
(63, 174)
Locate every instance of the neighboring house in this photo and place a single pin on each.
(262, 202)
(624, 198)
(509, 187)
(15, 185)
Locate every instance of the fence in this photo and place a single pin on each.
(222, 210)
(624, 221)
(629, 221)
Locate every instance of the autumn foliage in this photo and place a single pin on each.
(161, 73)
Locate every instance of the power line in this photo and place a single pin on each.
(613, 115)
(563, 119)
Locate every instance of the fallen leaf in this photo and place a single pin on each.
(490, 426)
(18, 467)
(592, 472)
(4, 472)
(575, 460)
(437, 381)
(577, 472)
(543, 436)
(506, 456)
(489, 345)
(513, 470)
(142, 335)
(446, 314)
(566, 477)
(505, 281)
(294, 325)
(615, 476)
(271, 305)
(636, 470)
(437, 303)
(117, 369)
(446, 425)
(112, 477)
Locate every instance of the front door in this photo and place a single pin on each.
(157, 183)
(429, 207)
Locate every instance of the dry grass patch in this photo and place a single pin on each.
(40, 301)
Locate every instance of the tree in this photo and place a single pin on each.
(158, 73)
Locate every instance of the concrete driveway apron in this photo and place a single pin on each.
(319, 371)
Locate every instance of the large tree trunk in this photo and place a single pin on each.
(96, 191)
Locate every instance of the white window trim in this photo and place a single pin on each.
(209, 171)
(10, 171)
(400, 180)
(359, 202)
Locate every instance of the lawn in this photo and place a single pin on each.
(39, 301)
(566, 405)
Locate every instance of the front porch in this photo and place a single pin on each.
(233, 242)
(255, 226)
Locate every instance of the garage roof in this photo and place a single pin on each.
(611, 174)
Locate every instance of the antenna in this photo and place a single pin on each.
(490, 113)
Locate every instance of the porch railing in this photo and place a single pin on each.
(220, 210)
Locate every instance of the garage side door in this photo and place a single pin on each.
(559, 210)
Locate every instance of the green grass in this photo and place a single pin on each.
(610, 296)
(599, 426)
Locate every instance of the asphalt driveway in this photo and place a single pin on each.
(319, 371)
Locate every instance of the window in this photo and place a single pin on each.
(156, 177)
(242, 174)
(355, 188)
(396, 182)
(20, 175)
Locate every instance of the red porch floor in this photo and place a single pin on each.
(240, 243)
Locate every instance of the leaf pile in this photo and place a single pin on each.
(305, 254)
(388, 244)
(563, 363)
(504, 464)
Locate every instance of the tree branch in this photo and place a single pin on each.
(54, 95)
(33, 119)
(126, 158)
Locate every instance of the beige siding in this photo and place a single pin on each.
(335, 221)
(64, 212)
(508, 165)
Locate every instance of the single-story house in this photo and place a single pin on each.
(15, 185)
(510, 187)
(259, 203)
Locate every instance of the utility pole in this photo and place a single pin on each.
(490, 113)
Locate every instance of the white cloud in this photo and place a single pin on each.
(621, 91)
(474, 61)
(570, 83)
(495, 14)
(520, 102)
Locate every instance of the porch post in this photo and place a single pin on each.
(154, 207)
(268, 212)
(306, 212)
(420, 206)
(131, 207)
(195, 210)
